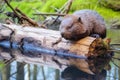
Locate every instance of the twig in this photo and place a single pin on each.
(60, 12)
(22, 17)
(65, 9)
(62, 8)
(20, 66)
(2, 6)
(115, 64)
(8, 21)
(116, 58)
(1, 10)
(26, 18)
(12, 8)
(118, 44)
(15, 13)
(7, 62)
(56, 9)
(54, 14)
(114, 50)
(33, 23)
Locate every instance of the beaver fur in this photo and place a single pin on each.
(82, 23)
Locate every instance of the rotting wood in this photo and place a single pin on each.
(46, 47)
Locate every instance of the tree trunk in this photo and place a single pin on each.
(46, 47)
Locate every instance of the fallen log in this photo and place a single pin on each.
(46, 47)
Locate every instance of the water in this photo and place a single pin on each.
(22, 71)
(114, 73)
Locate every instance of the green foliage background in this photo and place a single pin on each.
(32, 6)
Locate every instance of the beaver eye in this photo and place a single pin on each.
(69, 26)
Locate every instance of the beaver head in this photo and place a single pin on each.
(72, 28)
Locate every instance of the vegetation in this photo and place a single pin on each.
(32, 6)
(113, 4)
(2, 65)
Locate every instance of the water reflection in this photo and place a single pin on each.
(72, 73)
(22, 71)
(114, 73)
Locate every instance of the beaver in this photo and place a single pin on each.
(82, 23)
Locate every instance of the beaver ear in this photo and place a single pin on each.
(79, 19)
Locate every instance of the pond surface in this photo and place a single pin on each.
(114, 73)
(22, 71)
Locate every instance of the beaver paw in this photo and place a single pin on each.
(95, 35)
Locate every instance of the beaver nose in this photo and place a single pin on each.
(62, 34)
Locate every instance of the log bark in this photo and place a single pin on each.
(46, 47)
